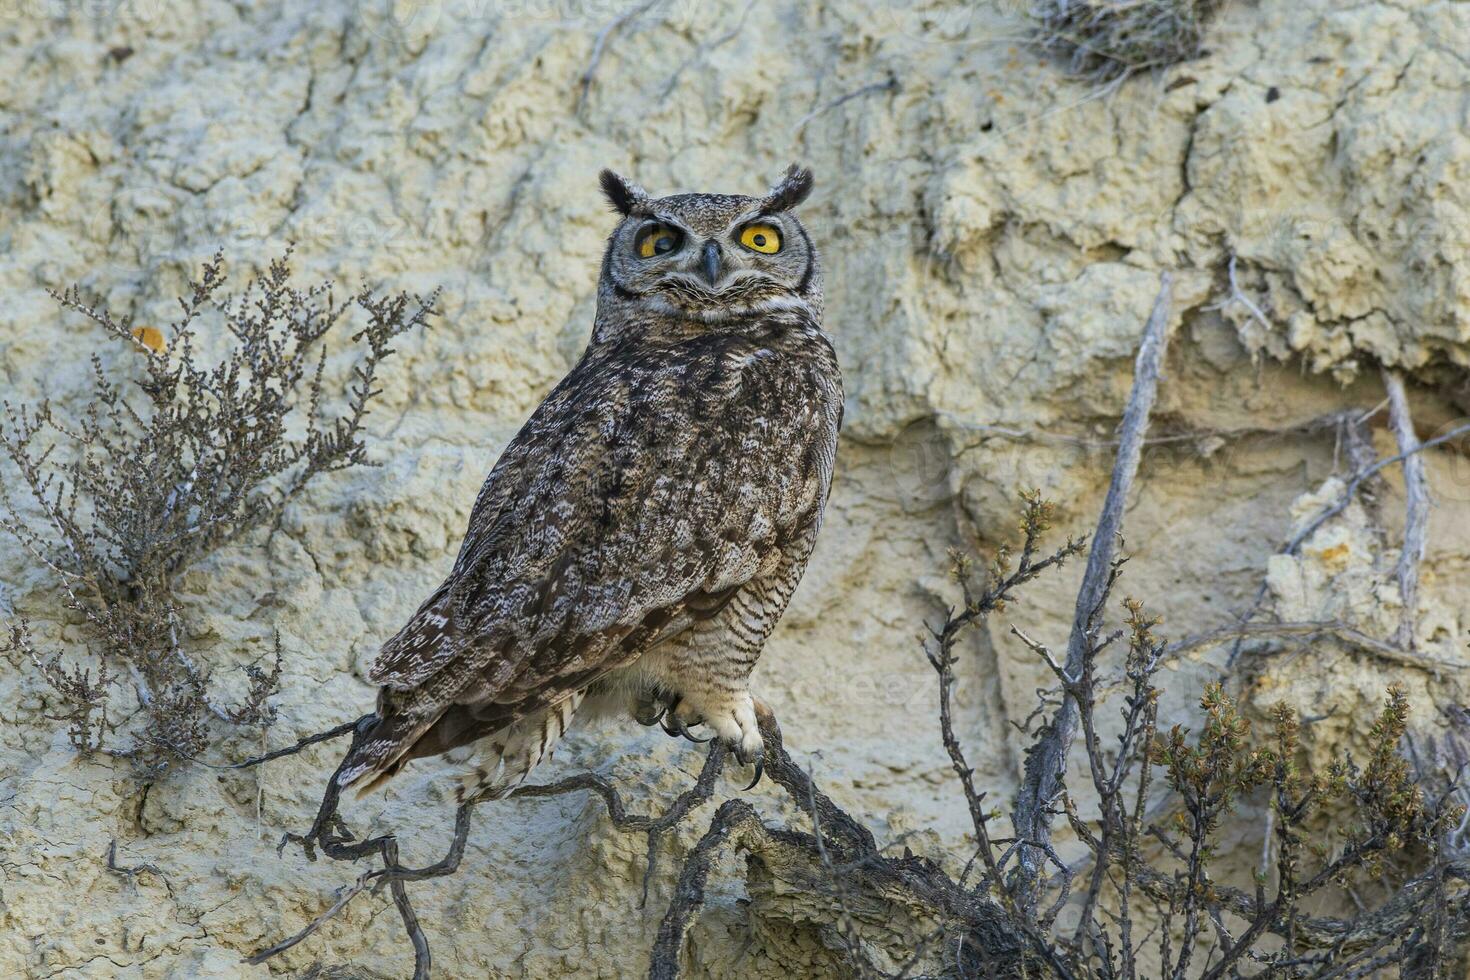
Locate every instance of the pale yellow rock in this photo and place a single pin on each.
(993, 235)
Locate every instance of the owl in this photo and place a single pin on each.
(638, 539)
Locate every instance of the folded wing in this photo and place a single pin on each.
(640, 496)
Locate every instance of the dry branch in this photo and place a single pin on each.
(330, 834)
(1046, 759)
(653, 827)
(599, 45)
(1237, 295)
(1359, 478)
(1416, 507)
(1357, 639)
(132, 871)
(881, 891)
(891, 85)
(703, 50)
(310, 740)
(688, 896)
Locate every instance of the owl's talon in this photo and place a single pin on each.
(751, 755)
(646, 715)
(670, 726)
(676, 727)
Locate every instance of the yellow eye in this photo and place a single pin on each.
(761, 238)
(657, 240)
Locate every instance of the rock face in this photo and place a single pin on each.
(993, 235)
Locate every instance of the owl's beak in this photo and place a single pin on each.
(710, 262)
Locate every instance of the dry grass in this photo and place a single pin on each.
(1107, 40)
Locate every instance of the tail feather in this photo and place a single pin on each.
(505, 759)
(380, 753)
(505, 753)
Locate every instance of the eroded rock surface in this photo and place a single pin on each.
(993, 235)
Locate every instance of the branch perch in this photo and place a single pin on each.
(330, 834)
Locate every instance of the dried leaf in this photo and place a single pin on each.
(151, 338)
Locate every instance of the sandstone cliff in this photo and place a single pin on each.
(993, 234)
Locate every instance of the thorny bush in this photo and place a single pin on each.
(162, 468)
(1146, 898)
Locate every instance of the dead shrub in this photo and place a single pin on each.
(1106, 40)
(165, 463)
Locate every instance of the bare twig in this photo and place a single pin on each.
(1416, 507)
(965, 424)
(1353, 637)
(344, 897)
(1001, 586)
(599, 44)
(330, 834)
(653, 827)
(704, 48)
(1046, 760)
(891, 85)
(345, 728)
(1238, 295)
(1358, 479)
(134, 870)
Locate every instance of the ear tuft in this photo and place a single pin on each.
(624, 195)
(789, 191)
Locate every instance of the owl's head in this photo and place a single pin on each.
(710, 257)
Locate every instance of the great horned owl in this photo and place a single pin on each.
(643, 532)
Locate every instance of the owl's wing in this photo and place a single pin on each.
(638, 498)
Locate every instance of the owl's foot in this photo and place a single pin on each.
(650, 708)
(675, 726)
(665, 715)
(734, 723)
